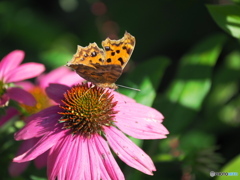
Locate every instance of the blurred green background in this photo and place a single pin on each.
(186, 62)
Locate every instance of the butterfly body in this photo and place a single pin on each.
(100, 66)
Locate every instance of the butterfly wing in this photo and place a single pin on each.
(118, 52)
(103, 67)
(87, 56)
(85, 60)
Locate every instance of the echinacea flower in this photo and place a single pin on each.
(11, 72)
(62, 75)
(79, 132)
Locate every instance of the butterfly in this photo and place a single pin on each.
(104, 66)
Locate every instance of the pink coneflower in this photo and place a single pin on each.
(78, 132)
(62, 75)
(11, 72)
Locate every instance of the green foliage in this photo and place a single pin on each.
(186, 93)
(232, 166)
(146, 77)
(227, 17)
(236, 1)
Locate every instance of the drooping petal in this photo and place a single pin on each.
(140, 121)
(107, 161)
(103, 170)
(21, 96)
(15, 169)
(58, 157)
(10, 113)
(67, 159)
(94, 169)
(56, 91)
(39, 124)
(86, 173)
(77, 159)
(128, 152)
(24, 71)
(41, 160)
(10, 62)
(44, 144)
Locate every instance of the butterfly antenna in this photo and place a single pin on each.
(128, 87)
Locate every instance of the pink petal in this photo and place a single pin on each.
(86, 173)
(122, 98)
(52, 77)
(62, 75)
(10, 62)
(15, 169)
(70, 79)
(128, 152)
(58, 157)
(73, 168)
(21, 96)
(10, 113)
(108, 165)
(27, 85)
(93, 168)
(24, 71)
(104, 173)
(67, 159)
(40, 124)
(45, 143)
(74, 157)
(140, 121)
(41, 160)
(56, 91)
(78, 158)
(4, 100)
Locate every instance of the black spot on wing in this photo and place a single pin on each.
(121, 60)
(93, 54)
(107, 48)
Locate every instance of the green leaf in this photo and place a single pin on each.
(227, 17)
(190, 141)
(232, 166)
(222, 103)
(192, 83)
(37, 178)
(147, 76)
(55, 58)
(236, 1)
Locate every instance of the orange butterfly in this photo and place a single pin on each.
(104, 66)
